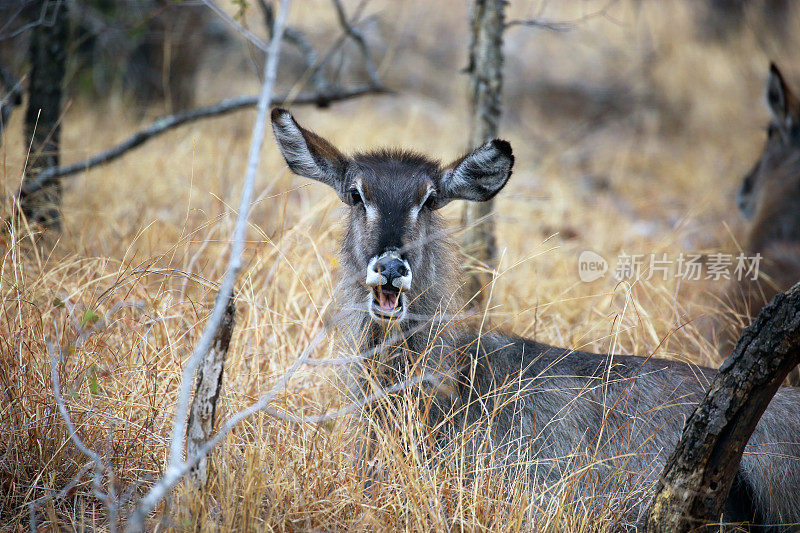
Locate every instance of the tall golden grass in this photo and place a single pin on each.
(124, 291)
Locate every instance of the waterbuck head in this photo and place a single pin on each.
(779, 164)
(395, 258)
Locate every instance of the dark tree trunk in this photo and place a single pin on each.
(694, 486)
(48, 55)
(10, 97)
(486, 82)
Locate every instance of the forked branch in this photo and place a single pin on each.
(109, 498)
(358, 36)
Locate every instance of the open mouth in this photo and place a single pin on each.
(387, 302)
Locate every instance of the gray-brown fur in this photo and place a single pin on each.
(525, 407)
(770, 198)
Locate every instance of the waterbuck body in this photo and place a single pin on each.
(769, 198)
(527, 408)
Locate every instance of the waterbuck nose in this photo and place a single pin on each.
(392, 268)
(389, 270)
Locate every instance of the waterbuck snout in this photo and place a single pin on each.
(600, 426)
(389, 276)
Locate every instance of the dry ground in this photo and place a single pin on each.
(631, 131)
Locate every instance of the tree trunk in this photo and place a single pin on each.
(486, 82)
(697, 478)
(206, 394)
(48, 55)
(9, 98)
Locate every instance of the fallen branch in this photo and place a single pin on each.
(698, 476)
(164, 124)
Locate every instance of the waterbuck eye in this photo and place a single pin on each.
(354, 197)
(771, 130)
(430, 201)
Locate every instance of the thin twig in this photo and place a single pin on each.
(298, 39)
(351, 407)
(41, 20)
(99, 467)
(33, 507)
(244, 32)
(174, 470)
(563, 25)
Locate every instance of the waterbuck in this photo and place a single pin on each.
(535, 410)
(769, 197)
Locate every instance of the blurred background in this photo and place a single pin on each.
(632, 123)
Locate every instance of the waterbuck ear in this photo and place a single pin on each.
(782, 103)
(306, 153)
(477, 176)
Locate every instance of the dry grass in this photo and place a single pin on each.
(125, 291)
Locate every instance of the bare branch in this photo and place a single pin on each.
(171, 477)
(563, 25)
(237, 247)
(358, 36)
(174, 470)
(33, 507)
(326, 93)
(174, 473)
(167, 123)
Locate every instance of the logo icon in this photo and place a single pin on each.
(591, 266)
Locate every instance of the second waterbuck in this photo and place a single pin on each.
(769, 198)
(533, 411)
